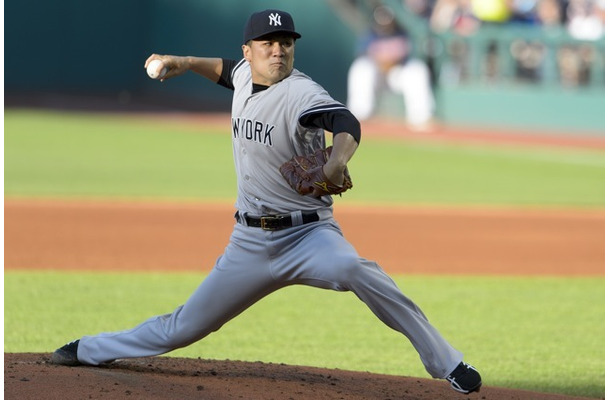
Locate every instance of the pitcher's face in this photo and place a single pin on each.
(271, 58)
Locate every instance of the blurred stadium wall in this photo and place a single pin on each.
(72, 49)
(98, 47)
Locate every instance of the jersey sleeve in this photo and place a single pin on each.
(318, 110)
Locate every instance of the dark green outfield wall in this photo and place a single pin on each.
(99, 46)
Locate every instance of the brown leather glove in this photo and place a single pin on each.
(305, 175)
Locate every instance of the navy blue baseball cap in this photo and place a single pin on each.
(269, 21)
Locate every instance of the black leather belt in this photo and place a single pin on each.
(277, 222)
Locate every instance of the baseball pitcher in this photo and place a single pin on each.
(284, 232)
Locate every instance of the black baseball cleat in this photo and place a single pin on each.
(465, 379)
(66, 355)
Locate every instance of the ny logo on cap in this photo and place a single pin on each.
(275, 19)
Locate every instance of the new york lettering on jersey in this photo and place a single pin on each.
(253, 130)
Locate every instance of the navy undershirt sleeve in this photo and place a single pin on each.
(335, 121)
(227, 69)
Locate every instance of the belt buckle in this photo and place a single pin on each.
(267, 223)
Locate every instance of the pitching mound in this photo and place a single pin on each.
(30, 376)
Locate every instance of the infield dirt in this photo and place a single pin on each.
(79, 235)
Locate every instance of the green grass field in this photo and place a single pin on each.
(552, 328)
(57, 155)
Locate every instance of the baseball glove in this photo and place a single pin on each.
(305, 175)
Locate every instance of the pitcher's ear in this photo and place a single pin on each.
(247, 50)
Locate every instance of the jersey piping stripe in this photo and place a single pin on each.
(319, 109)
(239, 64)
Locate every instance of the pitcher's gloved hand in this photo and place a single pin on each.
(305, 175)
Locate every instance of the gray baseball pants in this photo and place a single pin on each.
(255, 264)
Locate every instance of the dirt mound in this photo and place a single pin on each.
(31, 376)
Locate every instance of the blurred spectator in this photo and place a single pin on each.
(586, 19)
(457, 17)
(528, 58)
(492, 11)
(385, 59)
(575, 61)
(549, 13)
(454, 16)
(529, 55)
(524, 12)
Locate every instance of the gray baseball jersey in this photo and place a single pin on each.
(310, 251)
(267, 132)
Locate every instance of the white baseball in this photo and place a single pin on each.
(156, 69)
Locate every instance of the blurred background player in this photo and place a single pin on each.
(385, 60)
